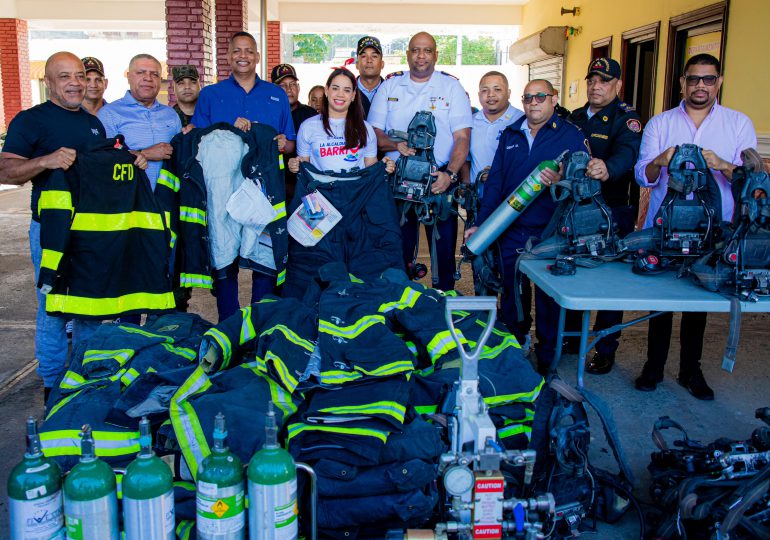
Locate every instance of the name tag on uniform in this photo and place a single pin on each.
(599, 136)
(392, 99)
(274, 98)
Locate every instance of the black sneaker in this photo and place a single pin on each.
(696, 385)
(600, 364)
(649, 379)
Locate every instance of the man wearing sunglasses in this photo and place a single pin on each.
(615, 132)
(539, 135)
(722, 133)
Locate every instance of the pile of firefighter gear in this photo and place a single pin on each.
(355, 370)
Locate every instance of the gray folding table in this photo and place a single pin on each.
(613, 286)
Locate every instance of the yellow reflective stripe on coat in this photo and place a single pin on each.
(192, 215)
(184, 529)
(168, 179)
(66, 442)
(62, 403)
(145, 333)
(117, 222)
(52, 199)
(281, 277)
(353, 330)
(281, 209)
(526, 397)
(121, 356)
(224, 345)
(442, 343)
(510, 431)
(81, 305)
(248, 332)
(283, 372)
(389, 408)
(130, 376)
(195, 280)
(185, 422)
(51, 259)
(290, 335)
(391, 368)
(181, 351)
(296, 429)
(408, 299)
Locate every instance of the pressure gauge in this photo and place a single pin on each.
(458, 480)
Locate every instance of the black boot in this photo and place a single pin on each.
(600, 364)
(650, 377)
(696, 384)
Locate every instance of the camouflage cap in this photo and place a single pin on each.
(185, 71)
(93, 64)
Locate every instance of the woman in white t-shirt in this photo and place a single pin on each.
(338, 139)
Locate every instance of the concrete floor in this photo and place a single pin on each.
(730, 415)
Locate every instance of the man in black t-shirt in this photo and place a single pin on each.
(41, 139)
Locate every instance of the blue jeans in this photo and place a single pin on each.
(50, 333)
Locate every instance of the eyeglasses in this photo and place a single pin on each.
(694, 80)
(539, 97)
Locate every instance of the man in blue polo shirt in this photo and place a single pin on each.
(539, 135)
(244, 98)
(239, 100)
(147, 125)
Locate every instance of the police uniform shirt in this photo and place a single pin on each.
(615, 134)
(399, 98)
(485, 136)
(328, 152)
(45, 128)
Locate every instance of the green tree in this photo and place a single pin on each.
(312, 48)
(479, 51)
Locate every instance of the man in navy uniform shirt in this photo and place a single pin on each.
(541, 134)
(615, 133)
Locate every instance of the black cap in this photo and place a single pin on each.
(93, 64)
(186, 71)
(281, 71)
(606, 68)
(367, 42)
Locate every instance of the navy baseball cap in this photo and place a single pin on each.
(606, 68)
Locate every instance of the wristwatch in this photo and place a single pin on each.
(452, 176)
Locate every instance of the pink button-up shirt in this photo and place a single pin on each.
(724, 131)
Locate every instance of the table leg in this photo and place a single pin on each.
(581, 363)
(559, 338)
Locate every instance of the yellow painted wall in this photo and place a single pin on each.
(746, 58)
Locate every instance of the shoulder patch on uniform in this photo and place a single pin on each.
(625, 107)
(394, 74)
(449, 75)
(634, 125)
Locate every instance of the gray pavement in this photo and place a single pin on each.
(730, 415)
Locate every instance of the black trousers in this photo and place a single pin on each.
(691, 333)
(446, 247)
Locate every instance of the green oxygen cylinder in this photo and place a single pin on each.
(148, 493)
(34, 494)
(512, 207)
(90, 496)
(219, 491)
(272, 489)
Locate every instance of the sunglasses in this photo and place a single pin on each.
(539, 97)
(708, 80)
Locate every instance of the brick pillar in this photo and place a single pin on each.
(14, 63)
(3, 125)
(273, 44)
(231, 16)
(188, 38)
